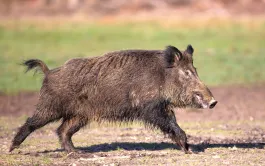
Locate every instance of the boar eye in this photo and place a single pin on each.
(187, 73)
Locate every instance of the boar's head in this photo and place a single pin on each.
(183, 88)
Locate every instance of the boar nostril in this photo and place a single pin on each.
(212, 103)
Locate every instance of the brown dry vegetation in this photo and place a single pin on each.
(134, 9)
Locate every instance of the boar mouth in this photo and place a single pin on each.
(199, 102)
(204, 105)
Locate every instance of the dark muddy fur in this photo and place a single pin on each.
(120, 86)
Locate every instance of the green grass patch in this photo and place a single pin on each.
(228, 54)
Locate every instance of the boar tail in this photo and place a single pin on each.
(36, 63)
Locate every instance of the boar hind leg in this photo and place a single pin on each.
(38, 120)
(67, 129)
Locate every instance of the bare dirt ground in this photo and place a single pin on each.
(235, 103)
(231, 134)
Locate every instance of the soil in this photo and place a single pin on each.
(233, 133)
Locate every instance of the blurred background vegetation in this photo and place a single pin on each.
(228, 36)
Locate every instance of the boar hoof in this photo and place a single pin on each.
(12, 148)
(184, 146)
(70, 150)
(74, 152)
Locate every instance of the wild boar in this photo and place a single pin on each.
(121, 86)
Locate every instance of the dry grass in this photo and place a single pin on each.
(237, 143)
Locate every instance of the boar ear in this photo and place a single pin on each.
(172, 54)
(189, 49)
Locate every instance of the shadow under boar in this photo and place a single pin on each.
(121, 86)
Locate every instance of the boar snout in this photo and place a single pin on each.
(212, 103)
(204, 101)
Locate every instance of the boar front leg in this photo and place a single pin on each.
(164, 119)
(175, 132)
(179, 136)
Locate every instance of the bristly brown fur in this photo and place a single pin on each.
(121, 86)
